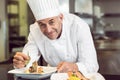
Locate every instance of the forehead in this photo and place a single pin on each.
(47, 19)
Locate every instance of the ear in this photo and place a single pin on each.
(61, 16)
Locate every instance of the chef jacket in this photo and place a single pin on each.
(74, 45)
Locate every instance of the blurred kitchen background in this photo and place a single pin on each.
(103, 17)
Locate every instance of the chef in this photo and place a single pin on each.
(63, 39)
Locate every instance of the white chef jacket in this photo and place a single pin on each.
(74, 45)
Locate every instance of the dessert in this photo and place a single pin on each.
(34, 68)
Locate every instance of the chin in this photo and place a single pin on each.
(52, 38)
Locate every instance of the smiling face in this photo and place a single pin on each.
(51, 27)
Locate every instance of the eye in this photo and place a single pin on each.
(51, 22)
(42, 25)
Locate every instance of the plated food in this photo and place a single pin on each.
(34, 68)
(76, 76)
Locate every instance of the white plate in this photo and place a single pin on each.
(47, 71)
(64, 76)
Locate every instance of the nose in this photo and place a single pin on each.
(48, 28)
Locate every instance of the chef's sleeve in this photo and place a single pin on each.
(31, 49)
(87, 58)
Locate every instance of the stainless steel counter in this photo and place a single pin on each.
(109, 44)
(108, 52)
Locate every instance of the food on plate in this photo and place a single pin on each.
(76, 76)
(34, 68)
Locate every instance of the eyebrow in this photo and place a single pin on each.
(43, 23)
(51, 19)
(40, 23)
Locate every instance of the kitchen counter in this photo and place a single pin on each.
(108, 53)
(5, 76)
(112, 77)
(107, 44)
(107, 77)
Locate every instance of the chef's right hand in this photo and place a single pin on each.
(19, 60)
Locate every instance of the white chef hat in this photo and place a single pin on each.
(44, 8)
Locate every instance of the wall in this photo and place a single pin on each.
(3, 32)
(23, 18)
(23, 6)
(112, 7)
(23, 9)
(64, 5)
(84, 6)
(2, 9)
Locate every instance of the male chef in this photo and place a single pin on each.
(63, 39)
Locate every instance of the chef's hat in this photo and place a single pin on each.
(44, 8)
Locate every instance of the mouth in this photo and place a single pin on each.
(52, 35)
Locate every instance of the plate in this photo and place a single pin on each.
(64, 76)
(47, 71)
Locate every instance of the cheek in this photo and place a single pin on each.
(57, 26)
(42, 30)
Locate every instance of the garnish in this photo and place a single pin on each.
(76, 76)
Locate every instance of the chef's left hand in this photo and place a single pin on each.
(64, 67)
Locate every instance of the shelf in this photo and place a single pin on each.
(13, 26)
(83, 15)
(12, 2)
(116, 15)
(10, 15)
(13, 17)
(105, 0)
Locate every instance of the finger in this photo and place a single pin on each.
(70, 73)
(65, 67)
(79, 75)
(61, 69)
(21, 56)
(18, 64)
(59, 65)
(18, 61)
(26, 57)
(18, 58)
